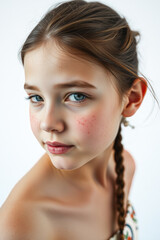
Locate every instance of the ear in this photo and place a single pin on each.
(135, 97)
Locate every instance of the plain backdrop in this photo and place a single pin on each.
(19, 150)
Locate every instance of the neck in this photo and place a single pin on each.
(93, 174)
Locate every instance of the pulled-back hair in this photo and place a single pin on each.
(102, 35)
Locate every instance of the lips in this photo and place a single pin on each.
(57, 144)
(58, 148)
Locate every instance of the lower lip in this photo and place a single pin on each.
(58, 150)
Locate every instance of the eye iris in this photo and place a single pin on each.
(79, 96)
(37, 98)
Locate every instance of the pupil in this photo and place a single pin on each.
(80, 96)
(37, 98)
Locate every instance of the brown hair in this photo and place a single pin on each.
(102, 35)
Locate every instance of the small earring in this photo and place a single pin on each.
(126, 123)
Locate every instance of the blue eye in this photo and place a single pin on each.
(78, 97)
(34, 96)
(73, 97)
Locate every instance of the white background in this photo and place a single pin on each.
(19, 148)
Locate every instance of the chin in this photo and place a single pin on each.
(62, 164)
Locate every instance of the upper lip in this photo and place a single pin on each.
(57, 144)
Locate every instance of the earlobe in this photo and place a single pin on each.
(135, 97)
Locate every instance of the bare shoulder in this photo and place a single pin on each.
(14, 222)
(19, 211)
(130, 168)
(129, 162)
(13, 214)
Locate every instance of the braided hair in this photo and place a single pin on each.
(118, 149)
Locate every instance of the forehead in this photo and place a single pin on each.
(53, 55)
(50, 59)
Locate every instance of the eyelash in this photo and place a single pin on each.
(78, 93)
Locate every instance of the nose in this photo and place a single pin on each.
(52, 121)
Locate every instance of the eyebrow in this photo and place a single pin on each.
(72, 84)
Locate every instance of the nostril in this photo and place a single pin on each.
(56, 127)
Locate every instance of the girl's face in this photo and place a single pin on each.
(73, 102)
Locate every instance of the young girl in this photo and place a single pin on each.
(81, 77)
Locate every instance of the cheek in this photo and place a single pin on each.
(34, 123)
(85, 125)
(98, 128)
(92, 125)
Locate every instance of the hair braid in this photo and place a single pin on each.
(118, 147)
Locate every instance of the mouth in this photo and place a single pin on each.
(58, 149)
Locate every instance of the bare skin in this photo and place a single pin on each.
(42, 206)
(70, 196)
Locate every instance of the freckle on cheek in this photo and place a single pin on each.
(86, 124)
